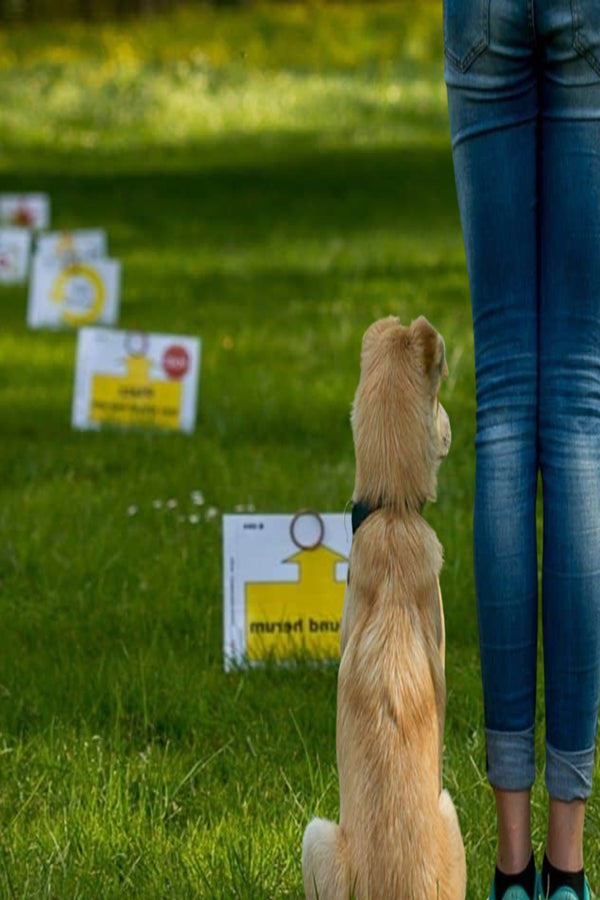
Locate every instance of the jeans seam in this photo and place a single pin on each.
(570, 753)
(561, 783)
(464, 64)
(578, 43)
(531, 22)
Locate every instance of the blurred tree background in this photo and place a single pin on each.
(86, 10)
(40, 10)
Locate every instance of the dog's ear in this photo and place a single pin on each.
(374, 333)
(432, 349)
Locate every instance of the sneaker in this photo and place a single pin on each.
(566, 893)
(519, 893)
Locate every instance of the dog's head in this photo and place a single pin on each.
(401, 431)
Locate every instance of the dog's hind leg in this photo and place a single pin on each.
(325, 867)
(454, 884)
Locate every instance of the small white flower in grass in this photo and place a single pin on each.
(197, 498)
(211, 513)
(157, 504)
(132, 510)
(145, 754)
(193, 519)
(171, 504)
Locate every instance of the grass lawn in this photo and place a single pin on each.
(273, 179)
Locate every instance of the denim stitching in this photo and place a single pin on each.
(581, 761)
(578, 43)
(466, 61)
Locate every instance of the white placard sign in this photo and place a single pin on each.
(136, 380)
(25, 210)
(68, 295)
(284, 579)
(72, 246)
(15, 250)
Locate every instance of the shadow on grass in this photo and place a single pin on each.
(244, 190)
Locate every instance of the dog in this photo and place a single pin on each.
(399, 836)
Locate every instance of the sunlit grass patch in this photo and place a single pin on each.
(137, 105)
(346, 73)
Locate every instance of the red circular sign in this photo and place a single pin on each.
(176, 361)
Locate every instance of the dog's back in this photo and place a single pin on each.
(390, 701)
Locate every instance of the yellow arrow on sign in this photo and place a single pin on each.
(284, 619)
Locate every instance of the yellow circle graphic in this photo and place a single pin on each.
(79, 311)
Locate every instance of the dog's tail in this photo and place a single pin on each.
(325, 865)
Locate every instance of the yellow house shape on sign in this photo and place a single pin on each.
(135, 398)
(299, 618)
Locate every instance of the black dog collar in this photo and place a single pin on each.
(360, 511)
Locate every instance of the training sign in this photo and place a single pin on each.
(15, 250)
(65, 294)
(284, 579)
(137, 380)
(25, 210)
(72, 246)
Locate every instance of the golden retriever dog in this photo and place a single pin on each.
(398, 837)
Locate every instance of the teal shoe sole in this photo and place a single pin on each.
(518, 893)
(567, 893)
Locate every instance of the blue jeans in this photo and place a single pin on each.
(523, 79)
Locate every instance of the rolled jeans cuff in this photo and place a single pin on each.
(569, 775)
(511, 759)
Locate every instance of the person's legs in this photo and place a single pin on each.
(514, 830)
(564, 846)
(493, 103)
(569, 411)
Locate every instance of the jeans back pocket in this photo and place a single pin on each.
(586, 30)
(466, 31)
